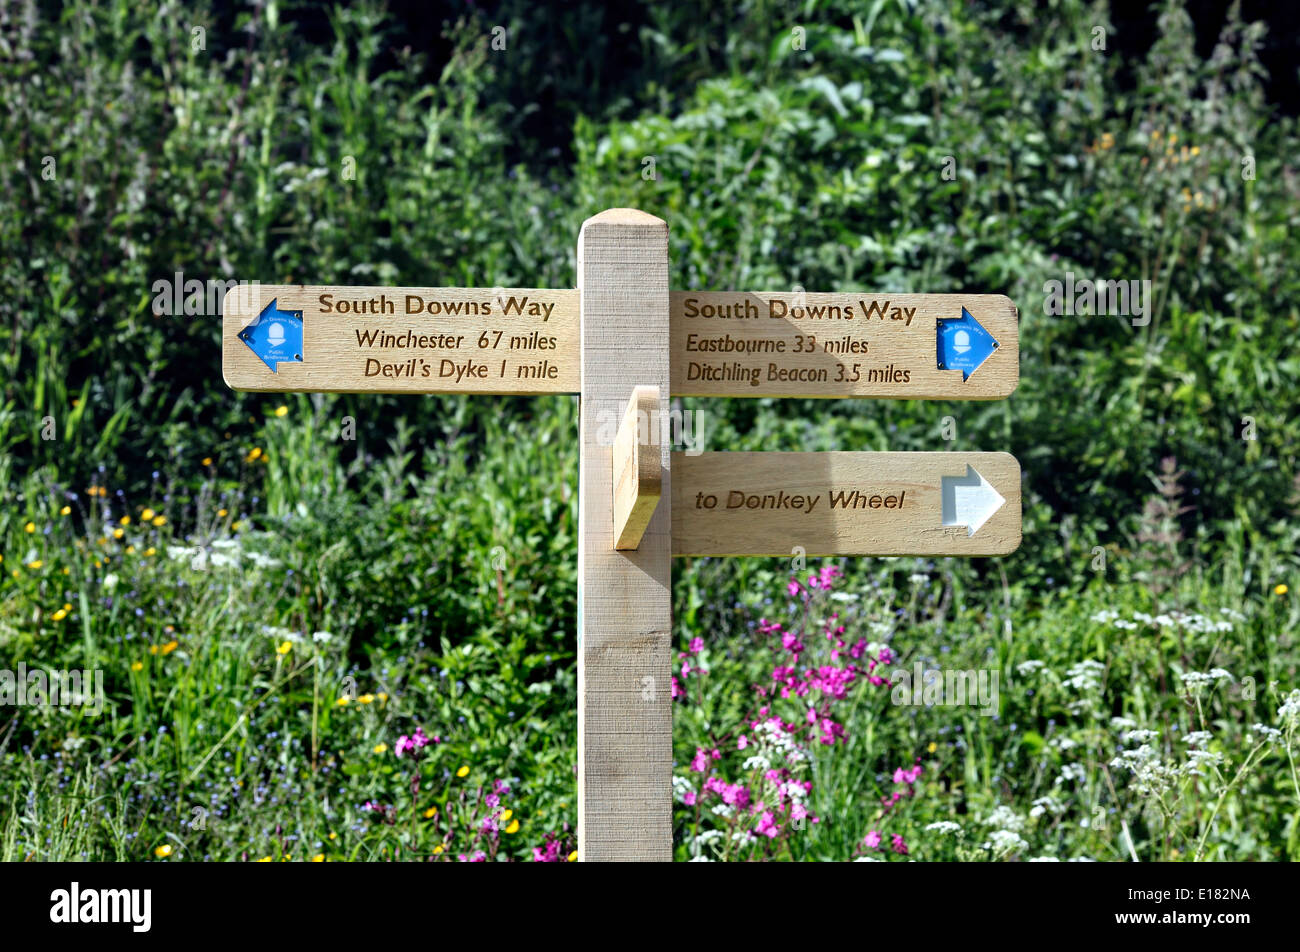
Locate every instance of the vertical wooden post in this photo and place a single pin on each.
(624, 598)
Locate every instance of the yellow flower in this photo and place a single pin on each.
(162, 852)
(29, 528)
(380, 748)
(170, 647)
(430, 813)
(437, 850)
(65, 511)
(264, 859)
(1280, 590)
(67, 571)
(365, 699)
(67, 606)
(59, 615)
(344, 701)
(118, 533)
(506, 815)
(207, 461)
(573, 857)
(153, 649)
(253, 454)
(318, 858)
(334, 836)
(933, 747)
(147, 515)
(151, 551)
(125, 520)
(221, 513)
(159, 520)
(137, 665)
(285, 647)
(1196, 150)
(462, 772)
(513, 827)
(36, 564)
(382, 697)
(281, 411)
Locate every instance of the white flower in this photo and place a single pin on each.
(1005, 841)
(944, 827)
(1289, 712)
(1197, 759)
(1005, 818)
(758, 762)
(1139, 736)
(1029, 667)
(110, 582)
(1044, 859)
(1270, 735)
(867, 859)
(1197, 738)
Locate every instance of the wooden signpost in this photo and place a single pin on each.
(625, 342)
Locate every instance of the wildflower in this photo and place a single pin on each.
(29, 528)
(430, 813)
(573, 857)
(284, 648)
(170, 646)
(59, 615)
(318, 858)
(146, 515)
(118, 533)
(513, 827)
(65, 511)
(207, 461)
(125, 521)
(264, 859)
(417, 741)
(281, 411)
(380, 748)
(872, 840)
(137, 665)
(506, 815)
(159, 521)
(150, 552)
(35, 563)
(1280, 590)
(162, 852)
(334, 836)
(366, 699)
(222, 513)
(253, 455)
(344, 701)
(463, 772)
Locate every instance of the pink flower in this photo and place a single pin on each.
(696, 645)
(767, 825)
(872, 840)
(899, 846)
(742, 743)
(700, 761)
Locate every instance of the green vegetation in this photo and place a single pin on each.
(190, 543)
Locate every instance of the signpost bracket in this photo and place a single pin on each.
(638, 477)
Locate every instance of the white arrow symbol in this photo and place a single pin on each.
(969, 500)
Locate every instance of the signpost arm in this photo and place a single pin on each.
(624, 597)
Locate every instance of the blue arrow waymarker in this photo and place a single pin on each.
(276, 336)
(964, 344)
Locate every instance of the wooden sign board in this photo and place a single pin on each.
(525, 341)
(838, 503)
(401, 340)
(854, 344)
